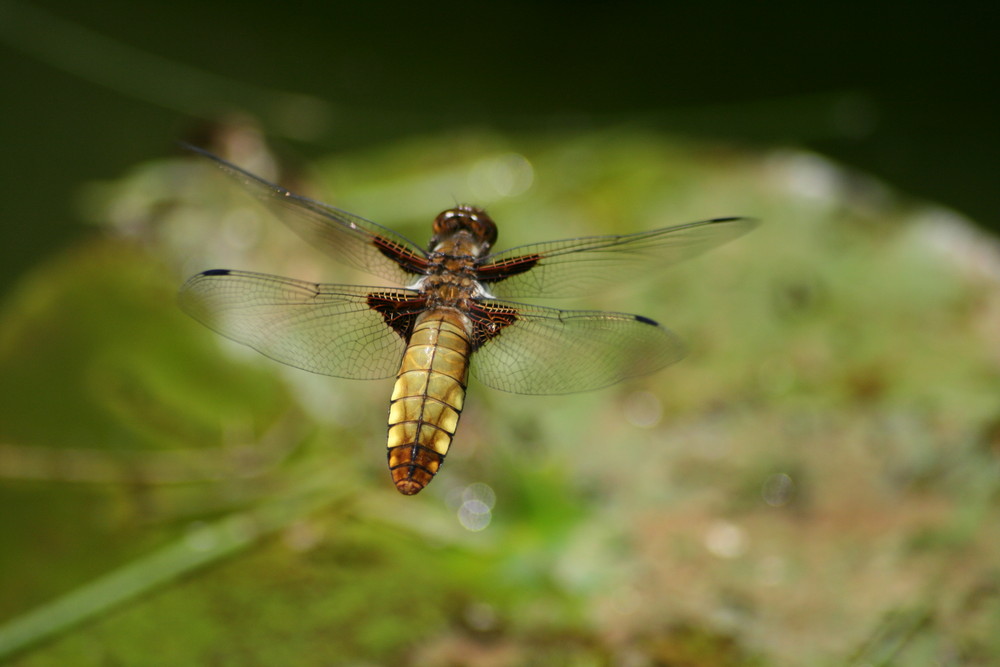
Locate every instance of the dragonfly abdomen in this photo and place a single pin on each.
(427, 398)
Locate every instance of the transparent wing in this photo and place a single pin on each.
(551, 351)
(327, 329)
(574, 266)
(357, 242)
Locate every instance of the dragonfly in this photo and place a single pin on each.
(450, 314)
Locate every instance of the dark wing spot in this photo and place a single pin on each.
(216, 272)
(646, 320)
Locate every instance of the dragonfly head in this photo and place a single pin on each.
(466, 218)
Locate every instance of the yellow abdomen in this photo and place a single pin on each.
(427, 398)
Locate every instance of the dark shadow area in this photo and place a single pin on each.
(898, 90)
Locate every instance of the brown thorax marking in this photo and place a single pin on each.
(461, 236)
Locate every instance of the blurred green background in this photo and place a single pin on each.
(816, 484)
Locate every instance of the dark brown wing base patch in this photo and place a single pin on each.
(398, 309)
(498, 271)
(407, 259)
(488, 320)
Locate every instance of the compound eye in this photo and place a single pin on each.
(446, 222)
(485, 229)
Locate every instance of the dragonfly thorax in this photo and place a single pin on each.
(450, 290)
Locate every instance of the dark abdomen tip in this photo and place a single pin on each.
(413, 467)
(409, 487)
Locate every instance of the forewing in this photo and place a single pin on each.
(327, 329)
(357, 242)
(529, 349)
(572, 267)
